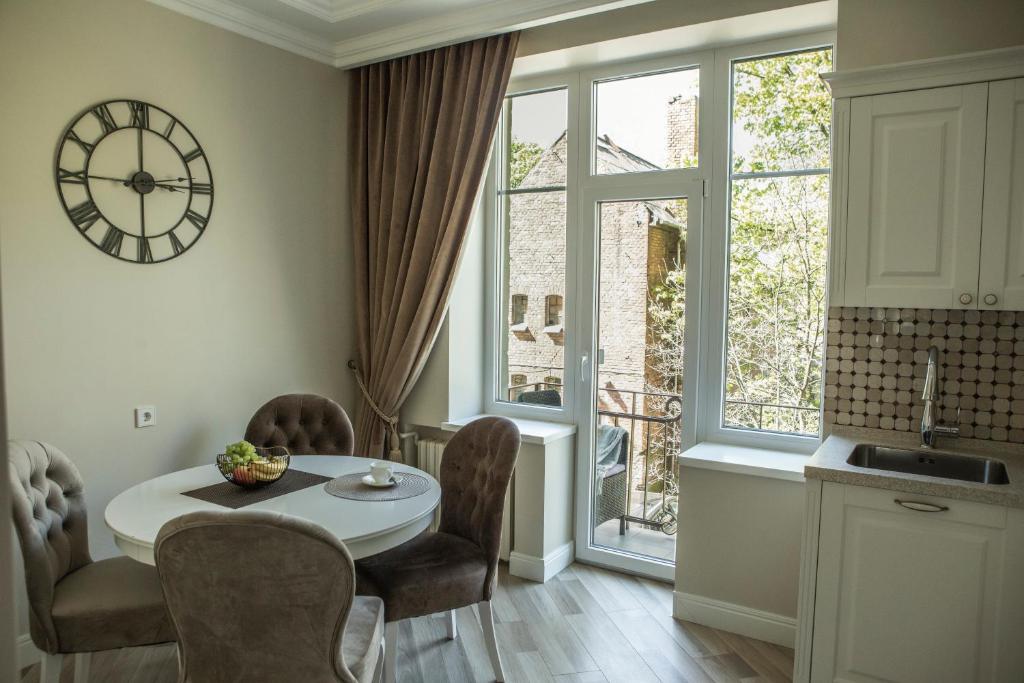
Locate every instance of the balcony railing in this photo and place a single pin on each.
(775, 417)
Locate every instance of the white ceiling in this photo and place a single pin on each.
(348, 33)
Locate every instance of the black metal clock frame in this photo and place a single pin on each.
(85, 214)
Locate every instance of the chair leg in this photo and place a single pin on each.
(453, 628)
(82, 661)
(50, 668)
(487, 622)
(390, 651)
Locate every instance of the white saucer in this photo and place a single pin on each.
(395, 480)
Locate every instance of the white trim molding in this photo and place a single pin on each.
(231, 17)
(972, 67)
(726, 616)
(27, 652)
(541, 569)
(444, 28)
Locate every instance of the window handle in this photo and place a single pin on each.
(584, 362)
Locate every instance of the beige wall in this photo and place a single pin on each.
(872, 32)
(261, 305)
(739, 539)
(639, 19)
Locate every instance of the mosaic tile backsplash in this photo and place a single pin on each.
(876, 358)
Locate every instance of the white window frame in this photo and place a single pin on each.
(714, 132)
(712, 380)
(496, 308)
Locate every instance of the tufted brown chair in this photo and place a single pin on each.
(306, 424)
(260, 596)
(75, 605)
(457, 565)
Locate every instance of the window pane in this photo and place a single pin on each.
(532, 199)
(776, 303)
(647, 123)
(782, 112)
(777, 243)
(538, 123)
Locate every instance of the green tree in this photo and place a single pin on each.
(523, 156)
(777, 249)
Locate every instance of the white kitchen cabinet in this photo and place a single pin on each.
(1001, 283)
(914, 205)
(922, 595)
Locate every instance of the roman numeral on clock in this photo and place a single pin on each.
(193, 155)
(106, 119)
(84, 215)
(71, 177)
(140, 114)
(202, 188)
(176, 244)
(145, 253)
(197, 219)
(87, 147)
(112, 241)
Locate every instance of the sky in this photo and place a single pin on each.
(632, 111)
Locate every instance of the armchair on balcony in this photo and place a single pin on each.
(611, 478)
(544, 397)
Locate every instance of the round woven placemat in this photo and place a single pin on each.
(352, 486)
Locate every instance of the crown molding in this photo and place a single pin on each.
(971, 67)
(245, 22)
(335, 11)
(488, 18)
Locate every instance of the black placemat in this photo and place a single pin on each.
(231, 496)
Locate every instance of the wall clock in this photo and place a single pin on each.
(134, 181)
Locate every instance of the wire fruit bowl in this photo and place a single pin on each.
(256, 473)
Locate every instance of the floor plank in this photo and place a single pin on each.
(586, 625)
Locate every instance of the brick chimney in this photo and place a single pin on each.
(682, 132)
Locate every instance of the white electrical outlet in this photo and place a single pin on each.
(145, 416)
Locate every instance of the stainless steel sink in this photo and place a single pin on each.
(944, 465)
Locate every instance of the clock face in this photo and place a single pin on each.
(134, 181)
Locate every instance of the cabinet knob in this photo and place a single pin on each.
(966, 298)
(991, 299)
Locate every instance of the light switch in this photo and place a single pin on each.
(145, 416)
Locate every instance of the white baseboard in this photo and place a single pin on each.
(726, 616)
(540, 569)
(28, 654)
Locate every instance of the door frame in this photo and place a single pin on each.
(587, 287)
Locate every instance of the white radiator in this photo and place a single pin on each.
(428, 459)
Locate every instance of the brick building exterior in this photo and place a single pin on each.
(640, 242)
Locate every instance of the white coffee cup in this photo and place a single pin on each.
(381, 471)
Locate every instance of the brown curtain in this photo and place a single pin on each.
(421, 133)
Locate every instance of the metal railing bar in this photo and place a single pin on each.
(754, 175)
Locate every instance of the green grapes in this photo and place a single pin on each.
(242, 453)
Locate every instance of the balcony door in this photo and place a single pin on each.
(640, 218)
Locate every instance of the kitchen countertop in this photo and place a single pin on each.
(829, 464)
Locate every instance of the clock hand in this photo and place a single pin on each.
(123, 181)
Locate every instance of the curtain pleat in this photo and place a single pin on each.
(421, 131)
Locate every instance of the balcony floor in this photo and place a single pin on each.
(636, 540)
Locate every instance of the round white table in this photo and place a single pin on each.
(366, 527)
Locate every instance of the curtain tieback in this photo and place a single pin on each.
(392, 420)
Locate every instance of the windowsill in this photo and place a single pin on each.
(519, 327)
(531, 431)
(756, 462)
(553, 329)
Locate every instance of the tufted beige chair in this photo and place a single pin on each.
(457, 565)
(306, 424)
(75, 605)
(260, 596)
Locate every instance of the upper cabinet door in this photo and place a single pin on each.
(1001, 283)
(917, 163)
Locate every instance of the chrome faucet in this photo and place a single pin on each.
(930, 429)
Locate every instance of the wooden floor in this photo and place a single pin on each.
(586, 625)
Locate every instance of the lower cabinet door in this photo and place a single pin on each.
(909, 588)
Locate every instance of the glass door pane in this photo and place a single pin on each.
(638, 392)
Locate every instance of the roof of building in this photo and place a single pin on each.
(611, 158)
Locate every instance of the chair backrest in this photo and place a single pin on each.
(306, 424)
(50, 518)
(476, 469)
(255, 596)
